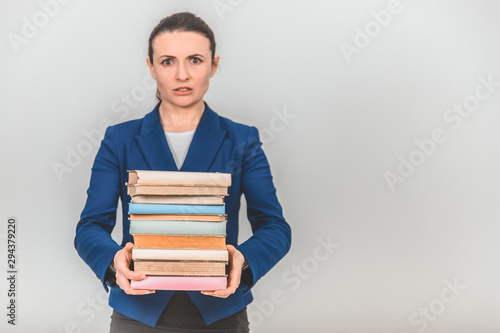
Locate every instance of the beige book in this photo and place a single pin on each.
(178, 217)
(141, 189)
(180, 268)
(150, 177)
(179, 199)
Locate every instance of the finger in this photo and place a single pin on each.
(233, 283)
(124, 284)
(129, 246)
(131, 275)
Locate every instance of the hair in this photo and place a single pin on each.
(181, 22)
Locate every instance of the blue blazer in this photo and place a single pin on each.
(218, 145)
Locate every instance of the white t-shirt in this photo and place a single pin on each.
(179, 145)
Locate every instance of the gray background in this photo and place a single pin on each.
(351, 120)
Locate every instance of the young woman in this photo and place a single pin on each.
(182, 133)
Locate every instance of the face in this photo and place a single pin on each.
(182, 67)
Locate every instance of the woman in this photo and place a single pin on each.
(182, 133)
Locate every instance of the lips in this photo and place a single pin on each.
(182, 91)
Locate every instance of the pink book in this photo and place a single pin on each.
(197, 283)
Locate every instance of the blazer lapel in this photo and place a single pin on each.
(206, 142)
(153, 143)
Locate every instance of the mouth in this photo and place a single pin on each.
(183, 91)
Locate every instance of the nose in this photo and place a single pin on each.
(182, 72)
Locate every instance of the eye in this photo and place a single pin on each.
(167, 62)
(196, 60)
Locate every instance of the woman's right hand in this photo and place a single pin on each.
(121, 264)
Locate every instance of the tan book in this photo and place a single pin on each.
(140, 189)
(178, 217)
(150, 177)
(181, 268)
(179, 242)
(179, 199)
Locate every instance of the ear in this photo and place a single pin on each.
(151, 68)
(215, 65)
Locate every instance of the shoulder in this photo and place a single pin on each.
(237, 129)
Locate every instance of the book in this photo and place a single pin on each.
(143, 208)
(177, 227)
(179, 217)
(181, 268)
(193, 283)
(149, 177)
(138, 189)
(179, 242)
(179, 199)
(176, 254)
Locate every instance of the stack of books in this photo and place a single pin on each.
(178, 221)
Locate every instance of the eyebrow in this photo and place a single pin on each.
(189, 56)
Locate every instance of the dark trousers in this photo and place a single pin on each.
(180, 316)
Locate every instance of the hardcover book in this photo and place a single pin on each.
(179, 242)
(138, 189)
(143, 208)
(179, 199)
(177, 227)
(193, 283)
(179, 217)
(149, 177)
(180, 268)
(177, 254)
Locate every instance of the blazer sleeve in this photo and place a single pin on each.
(93, 240)
(271, 237)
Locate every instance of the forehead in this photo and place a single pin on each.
(180, 43)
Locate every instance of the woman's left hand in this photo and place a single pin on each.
(236, 264)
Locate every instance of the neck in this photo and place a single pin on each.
(180, 119)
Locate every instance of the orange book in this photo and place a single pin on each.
(179, 242)
(179, 217)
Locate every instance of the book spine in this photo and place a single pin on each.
(177, 268)
(192, 283)
(142, 208)
(180, 178)
(177, 227)
(174, 254)
(180, 242)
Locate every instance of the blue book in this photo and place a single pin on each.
(177, 227)
(143, 208)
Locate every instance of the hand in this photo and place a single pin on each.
(121, 263)
(236, 263)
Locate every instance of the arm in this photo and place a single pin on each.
(271, 237)
(93, 240)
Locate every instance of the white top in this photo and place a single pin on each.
(179, 145)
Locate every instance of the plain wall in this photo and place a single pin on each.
(379, 118)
